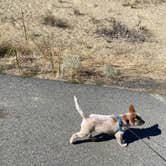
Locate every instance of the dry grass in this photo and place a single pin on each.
(85, 41)
(58, 22)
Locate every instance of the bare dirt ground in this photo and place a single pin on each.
(92, 41)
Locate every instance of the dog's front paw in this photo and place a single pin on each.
(123, 144)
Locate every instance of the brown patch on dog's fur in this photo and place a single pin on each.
(125, 119)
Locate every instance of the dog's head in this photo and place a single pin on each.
(132, 118)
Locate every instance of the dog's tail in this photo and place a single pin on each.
(78, 108)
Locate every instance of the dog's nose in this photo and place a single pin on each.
(143, 122)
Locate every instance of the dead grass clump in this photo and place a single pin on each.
(9, 49)
(117, 30)
(62, 23)
(140, 3)
(31, 72)
(51, 20)
(6, 49)
(88, 73)
(77, 12)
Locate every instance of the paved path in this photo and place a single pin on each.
(37, 118)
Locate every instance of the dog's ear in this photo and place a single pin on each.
(131, 109)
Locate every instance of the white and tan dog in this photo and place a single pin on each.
(108, 124)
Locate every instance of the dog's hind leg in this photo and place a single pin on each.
(78, 135)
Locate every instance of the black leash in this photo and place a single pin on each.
(157, 153)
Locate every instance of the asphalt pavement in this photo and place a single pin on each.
(37, 118)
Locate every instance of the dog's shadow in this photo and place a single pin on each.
(129, 137)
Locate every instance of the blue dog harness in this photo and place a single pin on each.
(120, 123)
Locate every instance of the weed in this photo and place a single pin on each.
(59, 63)
(24, 26)
(18, 60)
(51, 54)
(5, 49)
(72, 63)
(110, 72)
(58, 22)
(116, 30)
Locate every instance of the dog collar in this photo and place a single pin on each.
(120, 123)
